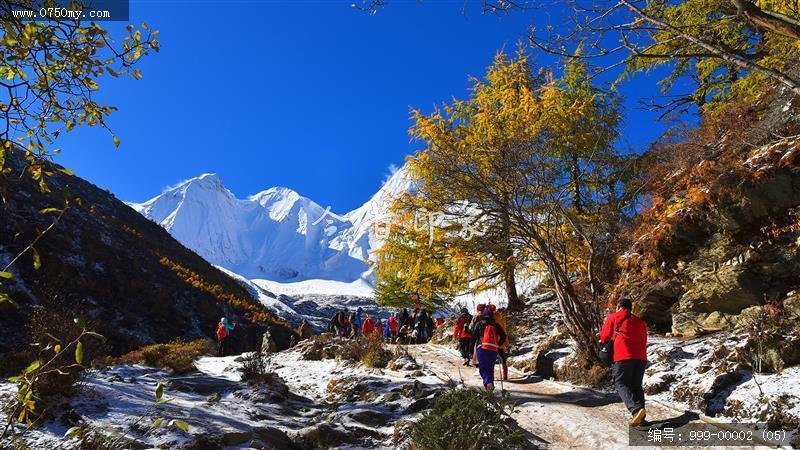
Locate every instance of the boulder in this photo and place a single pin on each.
(236, 437)
(273, 438)
(716, 299)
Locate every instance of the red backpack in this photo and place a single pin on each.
(490, 339)
(222, 333)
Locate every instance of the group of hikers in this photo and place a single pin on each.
(482, 339)
(402, 327)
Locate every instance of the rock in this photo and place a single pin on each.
(654, 306)
(274, 438)
(659, 384)
(201, 384)
(320, 436)
(214, 398)
(369, 417)
(268, 344)
(715, 301)
(236, 437)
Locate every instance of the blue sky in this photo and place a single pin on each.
(312, 95)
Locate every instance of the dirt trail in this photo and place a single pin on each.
(564, 416)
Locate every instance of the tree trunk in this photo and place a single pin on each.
(511, 287)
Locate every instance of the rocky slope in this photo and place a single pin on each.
(721, 235)
(103, 261)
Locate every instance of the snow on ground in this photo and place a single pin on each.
(695, 374)
(328, 403)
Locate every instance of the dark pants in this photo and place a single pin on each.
(628, 376)
(463, 348)
(222, 346)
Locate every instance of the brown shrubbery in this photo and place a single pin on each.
(368, 350)
(177, 356)
(583, 371)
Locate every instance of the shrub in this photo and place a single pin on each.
(368, 350)
(177, 356)
(254, 368)
(468, 419)
(582, 370)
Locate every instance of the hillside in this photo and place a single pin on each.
(125, 275)
(720, 237)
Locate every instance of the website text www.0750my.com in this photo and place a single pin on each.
(54, 13)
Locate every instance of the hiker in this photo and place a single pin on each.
(629, 334)
(391, 325)
(224, 329)
(502, 353)
(403, 320)
(429, 327)
(342, 324)
(402, 335)
(472, 325)
(387, 330)
(439, 322)
(368, 327)
(379, 326)
(305, 331)
(332, 325)
(486, 338)
(359, 319)
(462, 334)
(422, 327)
(353, 329)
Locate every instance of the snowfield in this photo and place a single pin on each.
(277, 234)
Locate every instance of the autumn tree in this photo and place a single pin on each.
(468, 168)
(414, 260)
(50, 73)
(529, 162)
(722, 49)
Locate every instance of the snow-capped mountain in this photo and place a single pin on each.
(276, 234)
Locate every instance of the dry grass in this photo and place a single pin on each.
(177, 356)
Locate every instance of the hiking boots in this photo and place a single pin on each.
(638, 417)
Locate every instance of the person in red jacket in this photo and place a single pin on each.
(462, 334)
(629, 334)
(368, 327)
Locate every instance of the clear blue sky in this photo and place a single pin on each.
(312, 95)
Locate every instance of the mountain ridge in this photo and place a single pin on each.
(276, 234)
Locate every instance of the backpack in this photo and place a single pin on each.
(606, 353)
(222, 333)
(490, 339)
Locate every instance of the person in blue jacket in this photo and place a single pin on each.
(359, 320)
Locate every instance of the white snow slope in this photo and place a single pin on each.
(275, 235)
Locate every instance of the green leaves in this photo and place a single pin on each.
(37, 260)
(5, 298)
(159, 390)
(96, 335)
(180, 424)
(73, 432)
(6, 275)
(79, 353)
(49, 211)
(33, 366)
